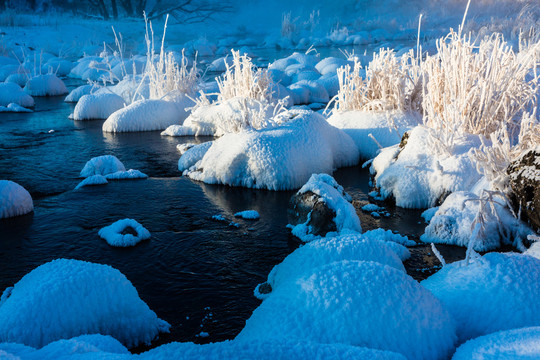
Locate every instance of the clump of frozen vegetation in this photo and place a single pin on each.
(96, 299)
(97, 106)
(45, 85)
(245, 102)
(278, 158)
(170, 85)
(11, 93)
(494, 292)
(14, 200)
(116, 235)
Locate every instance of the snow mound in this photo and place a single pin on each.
(126, 175)
(92, 180)
(14, 200)
(102, 165)
(19, 79)
(78, 93)
(147, 115)
(361, 303)
(335, 197)
(97, 106)
(266, 350)
(248, 215)
(193, 155)
(91, 345)
(389, 236)
(495, 292)
(279, 158)
(305, 260)
(57, 66)
(14, 108)
(330, 65)
(385, 127)
(517, 344)
(308, 92)
(67, 298)
(12, 93)
(417, 179)
(453, 223)
(45, 85)
(114, 236)
(534, 250)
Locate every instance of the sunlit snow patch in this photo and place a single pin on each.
(14, 200)
(66, 298)
(115, 236)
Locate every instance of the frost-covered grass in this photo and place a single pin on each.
(389, 82)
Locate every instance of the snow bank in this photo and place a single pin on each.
(361, 303)
(453, 222)
(97, 106)
(517, 344)
(66, 298)
(266, 350)
(45, 85)
(78, 93)
(248, 215)
(495, 292)
(386, 127)
(92, 180)
(114, 236)
(417, 179)
(102, 165)
(91, 345)
(14, 200)
(148, 115)
(279, 158)
(335, 197)
(305, 260)
(12, 93)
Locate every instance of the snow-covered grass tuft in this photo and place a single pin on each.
(115, 236)
(389, 82)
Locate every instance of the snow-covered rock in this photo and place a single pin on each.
(84, 346)
(148, 115)
(305, 260)
(97, 106)
(45, 85)
(322, 208)
(114, 233)
(14, 200)
(12, 93)
(453, 222)
(497, 291)
(14, 108)
(92, 180)
(57, 66)
(78, 93)
(278, 158)
(308, 92)
(360, 303)
(102, 165)
(126, 175)
(330, 65)
(248, 215)
(369, 129)
(418, 178)
(19, 79)
(191, 156)
(516, 344)
(266, 350)
(66, 298)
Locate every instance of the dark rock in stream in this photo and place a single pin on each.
(310, 205)
(525, 183)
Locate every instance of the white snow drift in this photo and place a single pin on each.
(114, 236)
(494, 292)
(277, 159)
(14, 200)
(66, 298)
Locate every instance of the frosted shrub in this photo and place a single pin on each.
(389, 83)
(477, 89)
(166, 77)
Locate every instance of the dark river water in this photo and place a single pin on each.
(196, 273)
